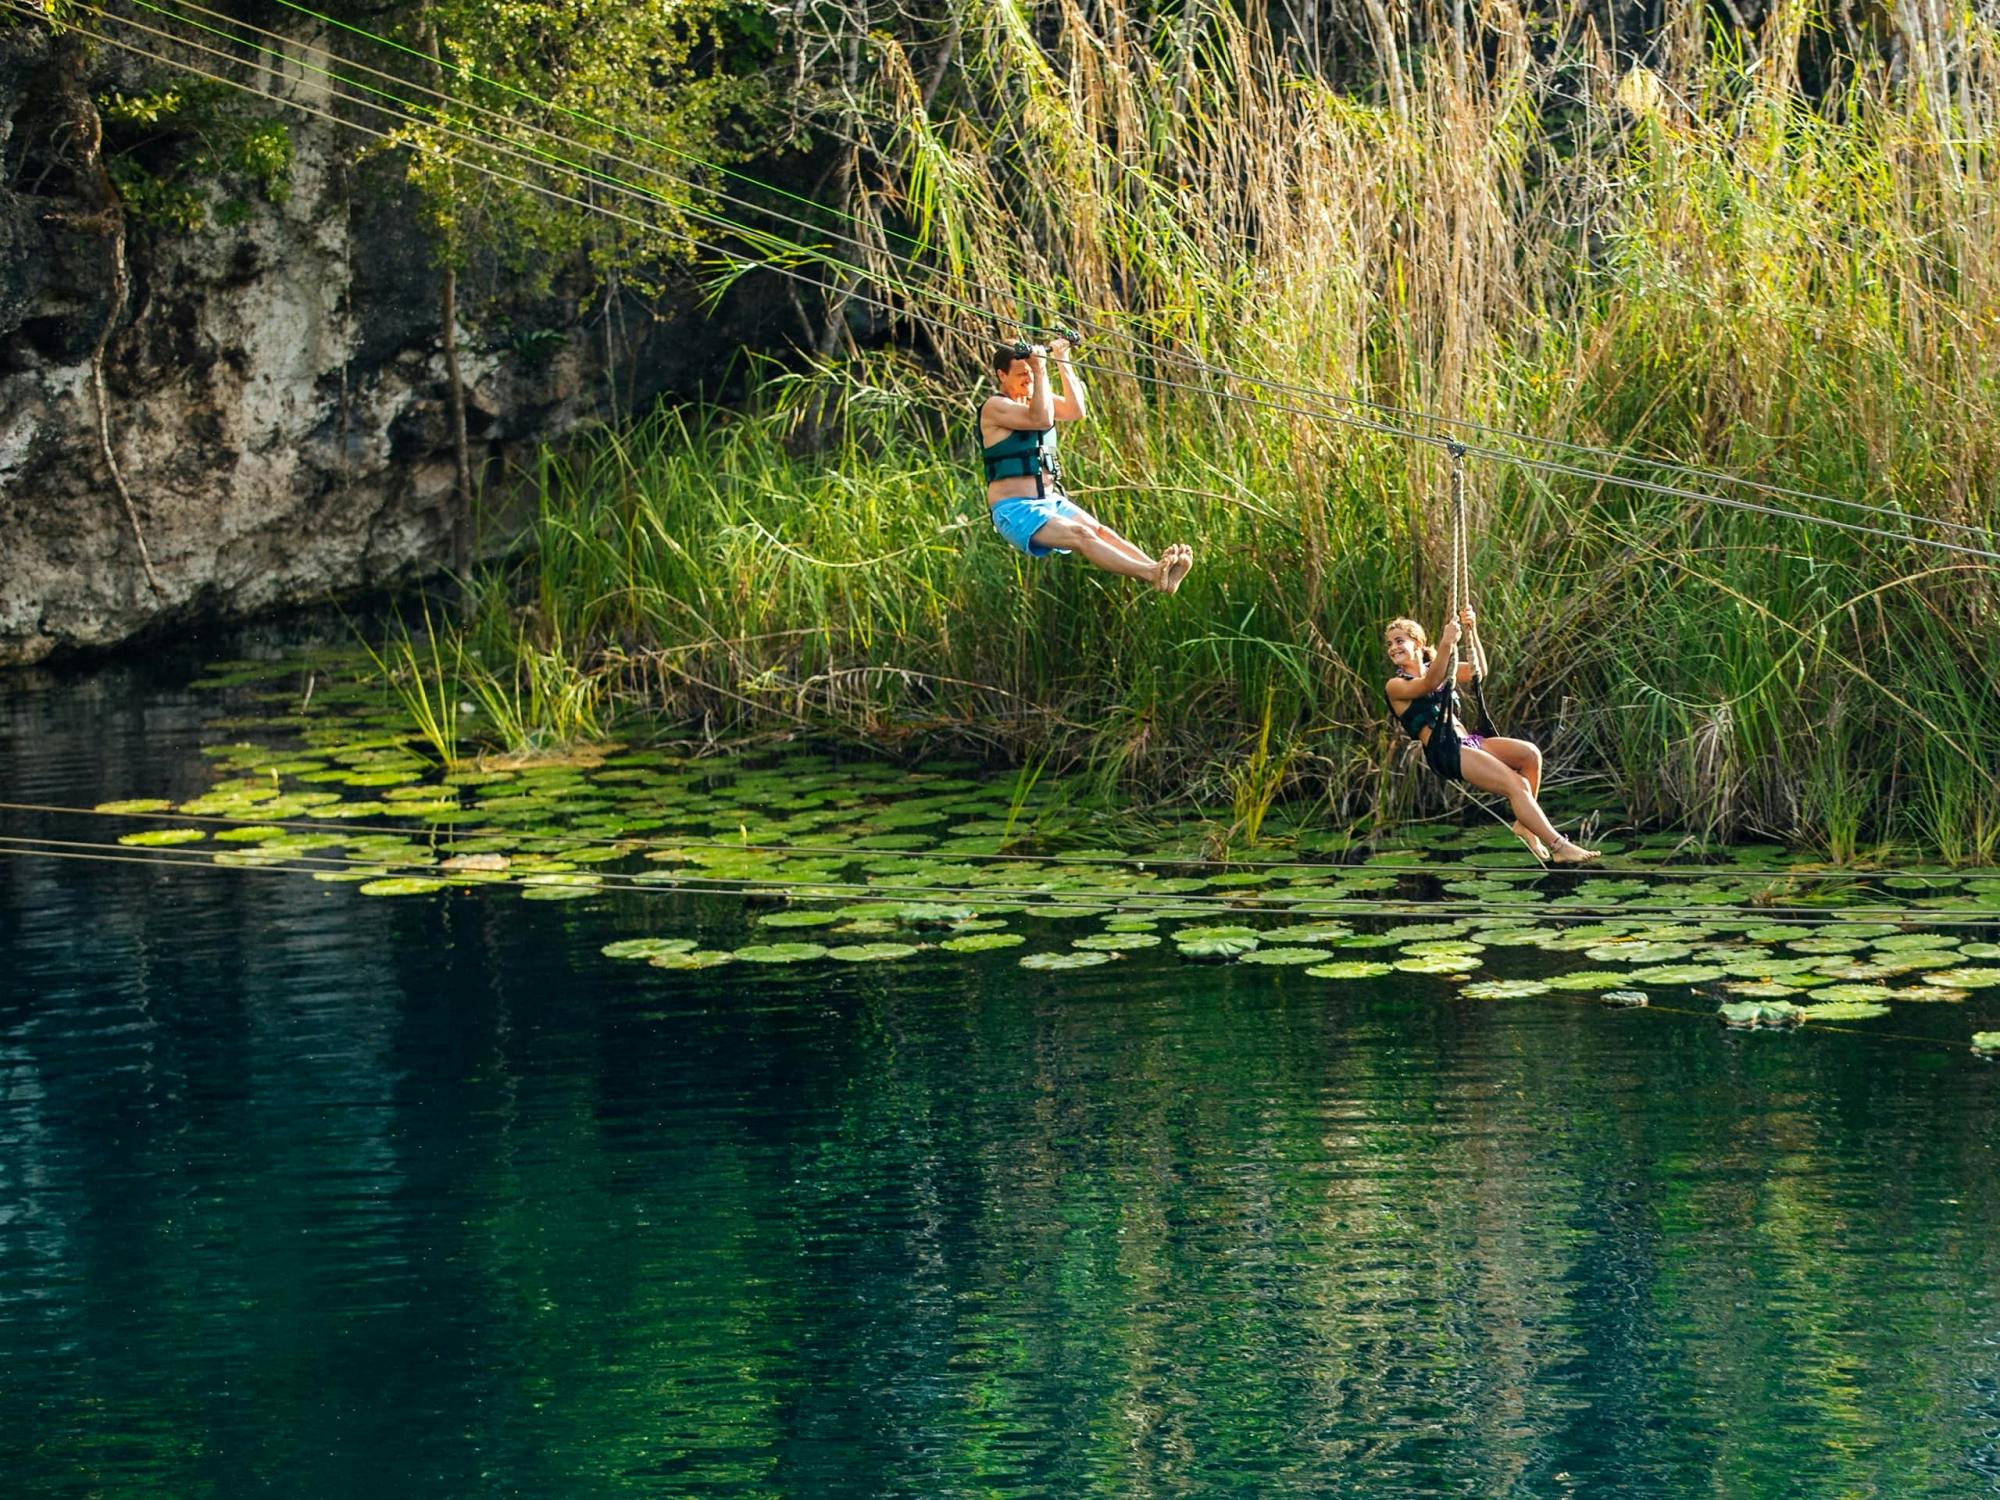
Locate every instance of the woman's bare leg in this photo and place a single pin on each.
(1522, 757)
(1524, 760)
(1491, 774)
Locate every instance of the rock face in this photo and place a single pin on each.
(277, 398)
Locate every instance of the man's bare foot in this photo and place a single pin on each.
(1178, 558)
(1535, 846)
(1567, 853)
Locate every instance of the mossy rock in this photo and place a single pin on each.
(1217, 949)
(1626, 999)
(1749, 1015)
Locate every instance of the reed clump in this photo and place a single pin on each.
(1699, 264)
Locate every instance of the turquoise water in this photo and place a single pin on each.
(311, 1194)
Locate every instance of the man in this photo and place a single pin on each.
(1017, 433)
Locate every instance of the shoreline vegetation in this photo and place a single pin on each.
(1704, 261)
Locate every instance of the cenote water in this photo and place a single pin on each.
(311, 1191)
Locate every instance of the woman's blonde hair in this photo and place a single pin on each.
(1415, 632)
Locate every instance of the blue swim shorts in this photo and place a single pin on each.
(1018, 520)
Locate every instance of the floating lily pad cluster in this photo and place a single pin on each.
(836, 861)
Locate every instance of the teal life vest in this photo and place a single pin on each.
(1019, 455)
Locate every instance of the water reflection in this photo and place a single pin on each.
(304, 1192)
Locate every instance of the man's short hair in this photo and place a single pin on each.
(1004, 355)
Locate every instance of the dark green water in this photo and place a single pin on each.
(303, 1193)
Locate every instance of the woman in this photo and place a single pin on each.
(1423, 695)
(1017, 435)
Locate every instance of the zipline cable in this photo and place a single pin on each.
(993, 898)
(860, 851)
(591, 174)
(1100, 318)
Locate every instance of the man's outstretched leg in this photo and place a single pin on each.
(1076, 530)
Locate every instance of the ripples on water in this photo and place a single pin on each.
(304, 1193)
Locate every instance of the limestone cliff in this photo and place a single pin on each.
(276, 398)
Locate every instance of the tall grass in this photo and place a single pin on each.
(1698, 264)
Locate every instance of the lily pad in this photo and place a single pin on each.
(1351, 968)
(1437, 963)
(1118, 942)
(1311, 932)
(1857, 994)
(1586, 979)
(924, 914)
(982, 942)
(1986, 1043)
(1844, 1010)
(1284, 956)
(253, 833)
(1084, 960)
(1204, 934)
(1675, 974)
(1638, 952)
(135, 805)
(798, 919)
(780, 953)
(646, 948)
(700, 958)
(1964, 979)
(1927, 942)
(868, 953)
(1511, 937)
(565, 892)
(403, 885)
(159, 838)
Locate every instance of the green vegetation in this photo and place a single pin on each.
(1702, 264)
